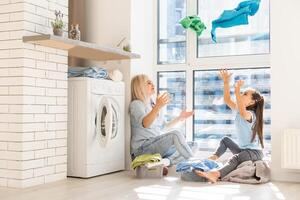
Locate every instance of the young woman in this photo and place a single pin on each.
(249, 107)
(147, 124)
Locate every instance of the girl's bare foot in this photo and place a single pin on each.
(212, 176)
(165, 171)
(213, 157)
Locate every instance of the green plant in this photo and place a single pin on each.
(58, 22)
(127, 48)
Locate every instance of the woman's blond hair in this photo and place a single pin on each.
(138, 88)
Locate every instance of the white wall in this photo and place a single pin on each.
(142, 36)
(33, 96)
(285, 70)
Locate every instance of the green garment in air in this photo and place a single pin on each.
(145, 158)
(193, 22)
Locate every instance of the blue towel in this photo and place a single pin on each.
(92, 72)
(203, 165)
(236, 17)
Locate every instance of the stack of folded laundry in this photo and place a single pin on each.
(91, 72)
(186, 168)
(149, 165)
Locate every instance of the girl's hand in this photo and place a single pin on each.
(238, 85)
(162, 100)
(184, 115)
(225, 75)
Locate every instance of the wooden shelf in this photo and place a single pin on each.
(80, 49)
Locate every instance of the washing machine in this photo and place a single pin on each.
(96, 141)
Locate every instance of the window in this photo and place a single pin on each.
(239, 40)
(213, 119)
(174, 84)
(197, 72)
(171, 36)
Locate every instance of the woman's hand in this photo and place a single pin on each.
(162, 100)
(184, 115)
(225, 75)
(238, 85)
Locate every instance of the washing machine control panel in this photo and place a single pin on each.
(108, 87)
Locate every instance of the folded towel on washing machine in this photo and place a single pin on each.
(92, 72)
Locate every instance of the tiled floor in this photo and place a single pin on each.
(123, 185)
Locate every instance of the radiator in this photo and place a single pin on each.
(290, 157)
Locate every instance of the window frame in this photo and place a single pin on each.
(157, 37)
(157, 82)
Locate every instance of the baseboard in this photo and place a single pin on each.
(285, 175)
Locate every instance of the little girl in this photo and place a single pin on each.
(249, 107)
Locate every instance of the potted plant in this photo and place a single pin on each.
(58, 24)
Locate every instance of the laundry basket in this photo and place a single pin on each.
(192, 177)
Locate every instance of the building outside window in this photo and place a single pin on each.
(171, 36)
(174, 83)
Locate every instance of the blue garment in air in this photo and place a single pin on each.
(92, 72)
(236, 17)
(203, 165)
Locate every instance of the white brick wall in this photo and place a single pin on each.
(33, 96)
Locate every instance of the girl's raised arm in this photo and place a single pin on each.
(225, 76)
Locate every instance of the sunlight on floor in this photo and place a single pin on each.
(151, 197)
(199, 195)
(218, 189)
(241, 198)
(218, 192)
(209, 192)
(153, 192)
(171, 179)
(201, 192)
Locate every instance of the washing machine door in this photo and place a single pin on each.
(115, 119)
(106, 121)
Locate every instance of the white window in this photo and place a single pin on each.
(244, 50)
(175, 84)
(171, 35)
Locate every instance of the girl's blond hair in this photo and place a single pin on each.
(138, 88)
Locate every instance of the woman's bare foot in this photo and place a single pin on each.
(212, 176)
(213, 157)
